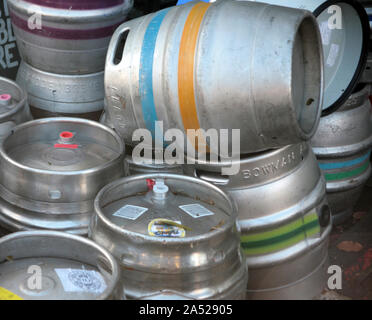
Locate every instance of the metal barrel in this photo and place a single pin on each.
(171, 233)
(51, 94)
(284, 220)
(343, 146)
(69, 267)
(52, 170)
(257, 69)
(345, 34)
(14, 107)
(66, 37)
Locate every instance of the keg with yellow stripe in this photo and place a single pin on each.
(257, 69)
(343, 146)
(284, 219)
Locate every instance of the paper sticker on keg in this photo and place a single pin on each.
(166, 228)
(76, 280)
(325, 31)
(8, 295)
(333, 54)
(130, 212)
(196, 210)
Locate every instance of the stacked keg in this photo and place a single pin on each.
(343, 146)
(63, 46)
(14, 110)
(195, 231)
(182, 89)
(52, 169)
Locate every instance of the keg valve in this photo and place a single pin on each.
(65, 141)
(159, 190)
(5, 100)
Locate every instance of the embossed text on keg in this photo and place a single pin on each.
(270, 168)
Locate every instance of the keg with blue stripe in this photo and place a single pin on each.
(343, 147)
(284, 219)
(194, 67)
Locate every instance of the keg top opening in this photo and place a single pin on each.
(345, 46)
(62, 145)
(71, 267)
(173, 208)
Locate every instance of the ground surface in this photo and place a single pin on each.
(351, 249)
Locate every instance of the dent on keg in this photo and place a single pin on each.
(343, 146)
(52, 170)
(171, 233)
(284, 219)
(45, 265)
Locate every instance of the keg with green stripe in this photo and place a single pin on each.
(343, 146)
(284, 219)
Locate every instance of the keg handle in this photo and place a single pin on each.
(116, 56)
(212, 177)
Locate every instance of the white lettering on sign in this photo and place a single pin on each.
(8, 49)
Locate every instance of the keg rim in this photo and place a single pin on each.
(115, 274)
(361, 12)
(4, 155)
(98, 212)
(249, 158)
(72, 16)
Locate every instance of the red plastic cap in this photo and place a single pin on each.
(66, 135)
(150, 183)
(5, 97)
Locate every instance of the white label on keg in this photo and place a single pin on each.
(326, 33)
(75, 280)
(333, 54)
(196, 210)
(130, 212)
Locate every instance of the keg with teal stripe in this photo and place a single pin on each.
(343, 147)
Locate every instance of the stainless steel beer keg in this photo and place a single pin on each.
(66, 37)
(45, 265)
(51, 94)
(257, 69)
(343, 146)
(171, 233)
(52, 170)
(284, 220)
(345, 34)
(14, 108)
